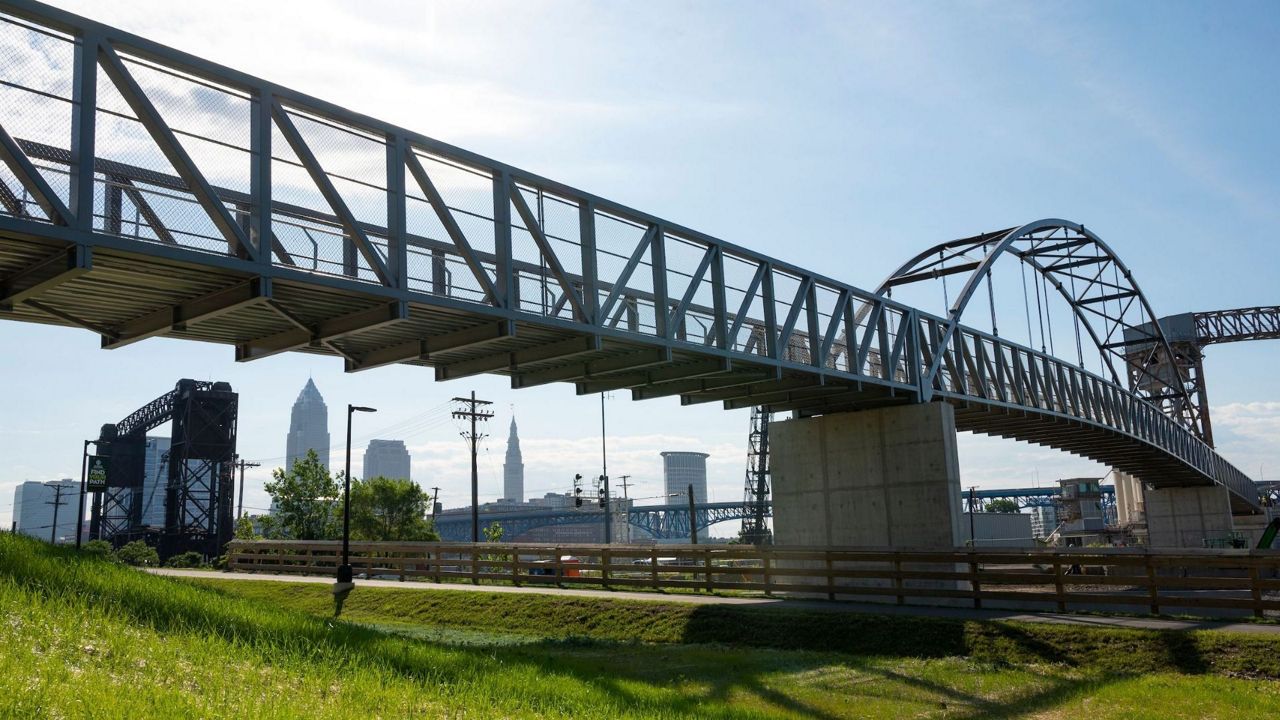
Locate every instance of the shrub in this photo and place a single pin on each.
(189, 559)
(138, 553)
(97, 548)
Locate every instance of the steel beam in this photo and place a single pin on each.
(303, 335)
(756, 389)
(178, 317)
(595, 368)
(68, 317)
(423, 348)
(512, 361)
(657, 376)
(451, 227)
(44, 275)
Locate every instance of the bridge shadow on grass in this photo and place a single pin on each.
(677, 680)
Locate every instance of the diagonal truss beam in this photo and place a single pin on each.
(33, 181)
(451, 227)
(44, 275)
(548, 253)
(330, 193)
(633, 262)
(68, 317)
(178, 317)
(173, 150)
(321, 333)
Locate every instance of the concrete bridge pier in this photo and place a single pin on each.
(886, 477)
(1175, 517)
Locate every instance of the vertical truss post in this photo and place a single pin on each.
(770, 314)
(502, 240)
(84, 109)
(590, 275)
(718, 302)
(260, 232)
(658, 258)
(397, 238)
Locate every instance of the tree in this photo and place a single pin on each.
(1002, 505)
(244, 529)
(390, 509)
(138, 553)
(493, 533)
(307, 500)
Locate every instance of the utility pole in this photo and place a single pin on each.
(625, 485)
(435, 502)
(693, 518)
(473, 437)
(56, 503)
(242, 465)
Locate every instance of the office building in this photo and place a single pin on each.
(679, 471)
(386, 458)
(308, 427)
(33, 509)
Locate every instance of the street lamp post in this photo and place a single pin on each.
(344, 570)
(84, 466)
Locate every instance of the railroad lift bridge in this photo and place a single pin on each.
(147, 192)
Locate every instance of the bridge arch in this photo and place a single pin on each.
(1104, 298)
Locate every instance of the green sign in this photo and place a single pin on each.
(96, 480)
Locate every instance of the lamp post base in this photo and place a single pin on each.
(344, 573)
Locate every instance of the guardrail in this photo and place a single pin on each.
(1109, 579)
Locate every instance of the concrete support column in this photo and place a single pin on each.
(887, 478)
(1184, 517)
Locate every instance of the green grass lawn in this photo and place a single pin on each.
(83, 638)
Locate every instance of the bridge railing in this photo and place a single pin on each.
(1115, 579)
(983, 366)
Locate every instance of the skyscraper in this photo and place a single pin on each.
(308, 427)
(155, 478)
(679, 471)
(386, 458)
(513, 468)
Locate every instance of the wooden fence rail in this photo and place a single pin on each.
(1129, 579)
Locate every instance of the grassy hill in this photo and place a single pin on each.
(85, 638)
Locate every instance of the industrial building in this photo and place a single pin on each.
(998, 529)
(386, 458)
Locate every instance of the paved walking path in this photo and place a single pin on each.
(1111, 621)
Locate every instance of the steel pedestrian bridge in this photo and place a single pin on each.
(148, 192)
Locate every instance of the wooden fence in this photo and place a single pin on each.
(1110, 579)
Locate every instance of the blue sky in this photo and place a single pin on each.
(843, 137)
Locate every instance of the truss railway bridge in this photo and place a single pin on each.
(146, 192)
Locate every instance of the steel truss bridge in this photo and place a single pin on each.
(663, 522)
(148, 192)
